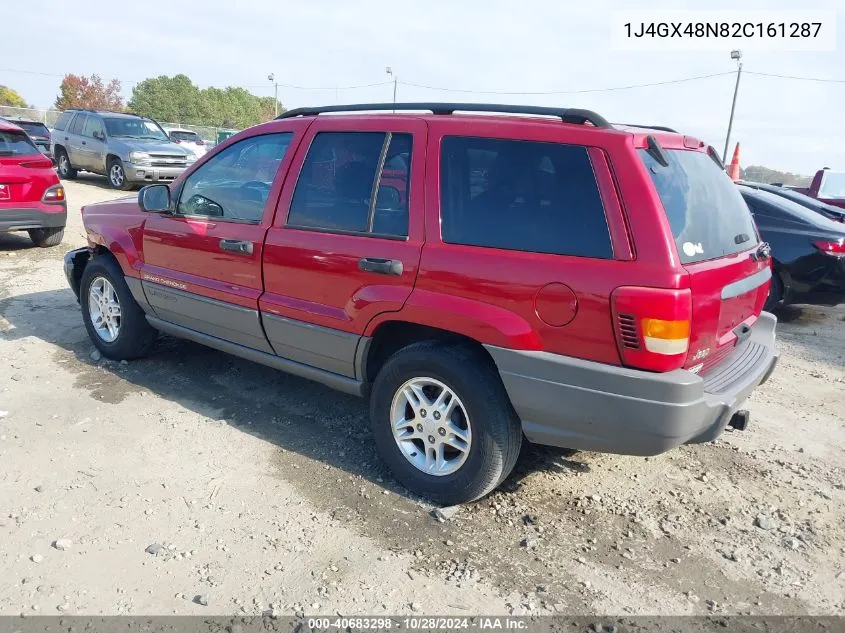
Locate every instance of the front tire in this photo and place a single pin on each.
(117, 175)
(443, 423)
(115, 322)
(63, 166)
(47, 237)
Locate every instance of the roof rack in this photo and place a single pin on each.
(567, 115)
(660, 128)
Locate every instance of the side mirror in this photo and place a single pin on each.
(100, 136)
(154, 199)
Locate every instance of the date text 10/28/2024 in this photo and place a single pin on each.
(421, 623)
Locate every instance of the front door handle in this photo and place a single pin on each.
(380, 266)
(236, 246)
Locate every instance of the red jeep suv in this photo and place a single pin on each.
(481, 278)
(31, 198)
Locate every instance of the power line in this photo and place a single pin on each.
(380, 83)
(562, 92)
(835, 81)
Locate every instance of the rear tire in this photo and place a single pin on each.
(47, 237)
(63, 166)
(494, 430)
(117, 175)
(775, 298)
(131, 335)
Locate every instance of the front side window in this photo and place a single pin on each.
(234, 184)
(354, 182)
(521, 195)
(92, 125)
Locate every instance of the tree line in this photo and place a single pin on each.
(169, 99)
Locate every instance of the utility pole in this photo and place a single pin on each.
(389, 71)
(737, 55)
(272, 77)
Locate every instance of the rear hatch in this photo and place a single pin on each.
(717, 244)
(24, 172)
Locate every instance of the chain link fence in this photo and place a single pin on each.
(47, 117)
(208, 133)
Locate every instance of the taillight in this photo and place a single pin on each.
(652, 326)
(54, 194)
(832, 248)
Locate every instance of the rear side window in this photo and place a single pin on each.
(708, 216)
(63, 120)
(78, 124)
(521, 195)
(13, 143)
(354, 182)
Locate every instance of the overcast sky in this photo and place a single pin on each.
(489, 45)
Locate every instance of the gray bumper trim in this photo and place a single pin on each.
(580, 404)
(29, 218)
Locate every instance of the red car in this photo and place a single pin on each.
(546, 276)
(31, 198)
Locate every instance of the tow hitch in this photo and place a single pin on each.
(740, 419)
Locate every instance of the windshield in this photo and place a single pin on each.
(34, 128)
(833, 185)
(135, 128)
(16, 144)
(191, 137)
(708, 216)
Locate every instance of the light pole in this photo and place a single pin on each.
(272, 77)
(389, 71)
(737, 55)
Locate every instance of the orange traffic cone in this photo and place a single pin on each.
(733, 168)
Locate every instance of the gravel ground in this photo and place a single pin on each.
(194, 482)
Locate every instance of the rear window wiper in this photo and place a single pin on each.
(741, 238)
(656, 151)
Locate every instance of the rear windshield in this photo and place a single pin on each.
(16, 144)
(833, 185)
(708, 216)
(34, 128)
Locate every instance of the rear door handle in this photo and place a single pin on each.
(380, 266)
(236, 246)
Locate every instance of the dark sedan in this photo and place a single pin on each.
(827, 210)
(808, 250)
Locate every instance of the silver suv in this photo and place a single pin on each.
(128, 149)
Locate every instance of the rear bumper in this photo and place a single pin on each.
(584, 405)
(827, 287)
(142, 174)
(41, 217)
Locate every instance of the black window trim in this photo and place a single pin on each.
(194, 216)
(388, 135)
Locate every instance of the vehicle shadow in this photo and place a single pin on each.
(299, 416)
(87, 178)
(15, 241)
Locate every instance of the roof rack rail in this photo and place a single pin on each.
(660, 128)
(567, 115)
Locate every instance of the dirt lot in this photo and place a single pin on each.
(261, 491)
